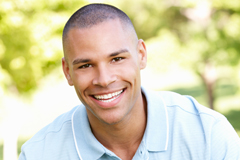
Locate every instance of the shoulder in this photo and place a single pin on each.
(209, 129)
(192, 129)
(218, 133)
(188, 105)
(53, 133)
(185, 113)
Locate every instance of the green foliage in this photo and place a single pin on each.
(186, 33)
(202, 36)
(30, 40)
(206, 31)
(233, 117)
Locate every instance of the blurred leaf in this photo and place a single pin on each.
(30, 39)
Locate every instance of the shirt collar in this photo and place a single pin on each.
(157, 130)
(86, 144)
(155, 136)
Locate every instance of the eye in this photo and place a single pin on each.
(117, 59)
(85, 66)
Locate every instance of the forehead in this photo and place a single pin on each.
(105, 27)
(106, 37)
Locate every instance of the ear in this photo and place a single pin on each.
(142, 54)
(65, 68)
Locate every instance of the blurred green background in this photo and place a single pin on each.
(193, 49)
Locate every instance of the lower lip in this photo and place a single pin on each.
(109, 104)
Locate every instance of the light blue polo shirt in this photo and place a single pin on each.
(178, 128)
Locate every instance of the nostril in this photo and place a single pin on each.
(104, 79)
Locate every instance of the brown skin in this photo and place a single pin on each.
(108, 58)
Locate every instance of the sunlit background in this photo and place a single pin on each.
(193, 48)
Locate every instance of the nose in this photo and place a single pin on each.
(104, 76)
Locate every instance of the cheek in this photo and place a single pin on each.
(133, 70)
(129, 72)
(81, 82)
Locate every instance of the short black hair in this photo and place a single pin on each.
(94, 14)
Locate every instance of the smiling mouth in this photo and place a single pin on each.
(108, 97)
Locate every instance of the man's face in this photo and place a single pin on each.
(104, 63)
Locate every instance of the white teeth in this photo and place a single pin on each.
(108, 100)
(108, 97)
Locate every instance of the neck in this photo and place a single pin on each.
(123, 138)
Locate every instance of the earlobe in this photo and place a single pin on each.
(65, 68)
(142, 51)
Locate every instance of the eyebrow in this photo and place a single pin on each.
(118, 52)
(80, 60)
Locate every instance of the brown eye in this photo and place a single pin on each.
(117, 59)
(85, 66)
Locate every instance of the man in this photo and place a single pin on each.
(119, 119)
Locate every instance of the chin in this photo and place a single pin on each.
(111, 121)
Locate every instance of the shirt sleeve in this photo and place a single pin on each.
(225, 143)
